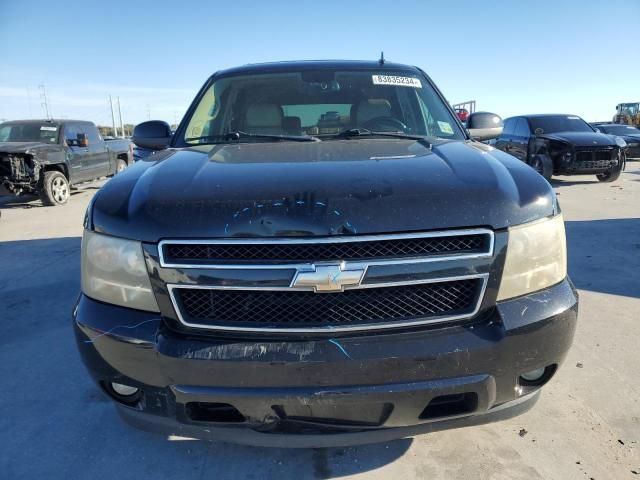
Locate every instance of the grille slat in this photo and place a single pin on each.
(237, 253)
(300, 309)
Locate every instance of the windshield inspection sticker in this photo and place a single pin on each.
(49, 129)
(395, 80)
(445, 128)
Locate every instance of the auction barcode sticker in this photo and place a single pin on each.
(49, 129)
(396, 80)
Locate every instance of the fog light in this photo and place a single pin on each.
(533, 375)
(124, 390)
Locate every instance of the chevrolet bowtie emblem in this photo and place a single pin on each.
(328, 278)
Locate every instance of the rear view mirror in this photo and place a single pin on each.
(153, 135)
(83, 140)
(484, 126)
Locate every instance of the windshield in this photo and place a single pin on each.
(620, 130)
(321, 104)
(559, 123)
(29, 132)
(630, 108)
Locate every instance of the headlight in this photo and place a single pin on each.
(620, 142)
(114, 271)
(536, 258)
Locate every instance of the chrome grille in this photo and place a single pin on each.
(176, 253)
(286, 309)
(327, 284)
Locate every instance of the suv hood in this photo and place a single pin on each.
(334, 187)
(582, 139)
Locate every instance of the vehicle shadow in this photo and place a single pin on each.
(39, 281)
(223, 460)
(23, 201)
(29, 200)
(33, 201)
(567, 183)
(604, 255)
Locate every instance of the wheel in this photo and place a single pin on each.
(120, 165)
(55, 188)
(613, 174)
(543, 165)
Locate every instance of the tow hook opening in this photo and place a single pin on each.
(213, 412)
(450, 405)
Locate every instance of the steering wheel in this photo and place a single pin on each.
(385, 124)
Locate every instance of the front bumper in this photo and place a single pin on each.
(314, 392)
(589, 165)
(18, 173)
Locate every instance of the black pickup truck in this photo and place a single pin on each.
(46, 157)
(323, 255)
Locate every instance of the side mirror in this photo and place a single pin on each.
(83, 140)
(152, 135)
(484, 126)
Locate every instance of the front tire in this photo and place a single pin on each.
(543, 165)
(120, 165)
(613, 174)
(55, 189)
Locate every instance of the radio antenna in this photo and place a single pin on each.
(381, 61)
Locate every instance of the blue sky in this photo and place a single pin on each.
(512, 57)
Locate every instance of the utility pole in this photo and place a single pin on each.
(120, 116)
(113, 118)
(45, 102)
(29, 102)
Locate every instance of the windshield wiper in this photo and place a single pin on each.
(237, 135)
(363, 132)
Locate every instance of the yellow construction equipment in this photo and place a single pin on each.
(628, 114)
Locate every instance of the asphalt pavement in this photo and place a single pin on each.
(56, 424)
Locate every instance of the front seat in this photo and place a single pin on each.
(369, 109)
(264, 118)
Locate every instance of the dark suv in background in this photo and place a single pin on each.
(563, 145)
(629, 134)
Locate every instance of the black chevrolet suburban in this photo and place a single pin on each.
(322, 255)
(563, 145)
